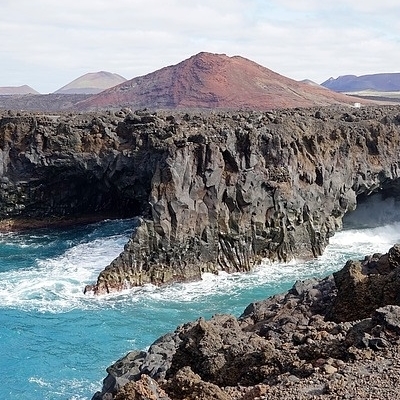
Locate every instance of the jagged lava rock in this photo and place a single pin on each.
(364, 286)
(285, 346)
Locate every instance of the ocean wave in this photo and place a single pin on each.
(56, 284)
(71, 389)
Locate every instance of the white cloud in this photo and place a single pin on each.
(48, 44)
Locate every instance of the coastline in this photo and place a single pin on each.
(296, 345)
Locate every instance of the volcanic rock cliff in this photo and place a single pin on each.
(211, 191)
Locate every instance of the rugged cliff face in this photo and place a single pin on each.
(72, 168)
(212, 191)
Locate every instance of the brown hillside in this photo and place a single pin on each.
(214, 81)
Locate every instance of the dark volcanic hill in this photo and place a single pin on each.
(350, 83)
(41, 102)
(213, 81)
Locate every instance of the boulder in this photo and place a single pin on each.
(189, 386)
(143, 389)
(364, 286)
(388, 317)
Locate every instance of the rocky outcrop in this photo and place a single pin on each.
(286, 346)
(57, 169)
(211, 191)
(364, 286)
(235, 188)
(144, 388)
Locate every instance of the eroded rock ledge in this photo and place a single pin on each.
(211, 191)
(310, 342)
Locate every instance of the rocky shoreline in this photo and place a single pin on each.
(310, 342)
(224, 188)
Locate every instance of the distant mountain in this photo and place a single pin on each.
(17, 90)
(210, 80)
(310, 82)
(388, 82)
(91, 83)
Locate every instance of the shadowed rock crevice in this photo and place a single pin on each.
(376, 209)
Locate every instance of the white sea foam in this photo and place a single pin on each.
(56, 284)
(39, 381)
(344, 245)
(366, 241)
(65, 387)
(347, 244)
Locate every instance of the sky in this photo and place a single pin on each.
(46, 44)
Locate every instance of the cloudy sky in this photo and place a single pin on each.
(47, 43)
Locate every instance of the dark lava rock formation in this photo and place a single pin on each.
(211, 191)
(297, 345)
(43, 103)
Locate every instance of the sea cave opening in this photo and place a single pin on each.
(377, 208)
(73, 196)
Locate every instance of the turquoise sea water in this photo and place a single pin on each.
(56, 342)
